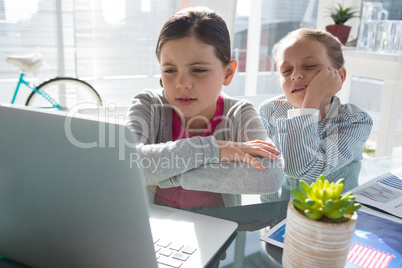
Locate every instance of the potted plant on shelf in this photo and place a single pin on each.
(319, 225)
(340, 15)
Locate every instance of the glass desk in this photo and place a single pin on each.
(254, 213)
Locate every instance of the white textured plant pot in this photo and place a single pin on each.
(310, 243)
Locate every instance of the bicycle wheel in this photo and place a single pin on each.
(67, 92)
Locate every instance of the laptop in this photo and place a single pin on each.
(70, 197)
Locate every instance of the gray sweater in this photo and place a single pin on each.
(193, 163)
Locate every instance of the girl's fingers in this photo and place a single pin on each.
(263, 142)
(257, 164)
(238, 155)
(267, 150)
(253, 161)
(268, 155)
(246, 152)
(263, 151)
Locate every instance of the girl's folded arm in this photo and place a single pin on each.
(231, 178)
(165, 160)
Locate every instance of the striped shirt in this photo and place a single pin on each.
(309, 148)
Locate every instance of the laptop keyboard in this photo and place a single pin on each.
(172, 254)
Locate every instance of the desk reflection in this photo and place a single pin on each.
(268, 210)
(349, 172)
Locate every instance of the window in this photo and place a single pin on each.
(111, 43)
(25, 27)
(108, 43)
(394, 8)
(277, 19)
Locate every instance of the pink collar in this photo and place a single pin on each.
(179, 133)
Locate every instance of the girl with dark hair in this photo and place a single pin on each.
(196, 143)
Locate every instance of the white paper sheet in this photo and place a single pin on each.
(383, 192)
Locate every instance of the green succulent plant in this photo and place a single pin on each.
(323, 198)
(340, 15)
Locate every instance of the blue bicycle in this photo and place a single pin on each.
(61, 93)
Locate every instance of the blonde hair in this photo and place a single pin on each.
(333, 45)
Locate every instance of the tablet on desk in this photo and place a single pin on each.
(377, 237)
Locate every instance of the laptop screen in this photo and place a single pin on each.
(68, 196)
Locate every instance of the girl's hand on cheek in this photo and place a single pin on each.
(324, 85)
(245, 151)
